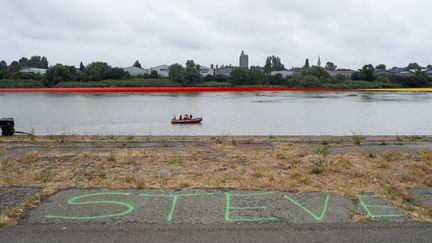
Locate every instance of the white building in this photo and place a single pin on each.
(162, 70)
(204, 71)
(41, 71)
(284, 73)
(135, 71)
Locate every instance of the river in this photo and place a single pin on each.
(265, 113)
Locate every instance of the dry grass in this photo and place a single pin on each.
(288, 166)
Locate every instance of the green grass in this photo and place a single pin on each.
(120, 83)
(7, 83)
(215, 84)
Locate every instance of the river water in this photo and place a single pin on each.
(265, 113)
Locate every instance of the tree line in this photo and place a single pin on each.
(189, 75)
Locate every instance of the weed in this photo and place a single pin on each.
(185, 183)
(111, 137)
(112, 157)
(371, 155)
(318, 166)
(31, 200)
(280, 156)
(324, 151)
(398, 138)
(357, 140)
(339, 141)
(217, 140)
(11, 213)
(130, 137)
(124, 145)
(129, 179)
(233, 142)
(324, 142)
(383, 142)
(45, 175)
(271, 137)
(429, 211)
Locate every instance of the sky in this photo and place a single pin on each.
(349, 33)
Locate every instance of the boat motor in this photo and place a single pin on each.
(7, 126)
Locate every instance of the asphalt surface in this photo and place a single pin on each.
(346, 232)
(205, 207)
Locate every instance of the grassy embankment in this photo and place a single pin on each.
(349, 84)
(333, 164)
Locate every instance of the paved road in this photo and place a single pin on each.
(347, 232)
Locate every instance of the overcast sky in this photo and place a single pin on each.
(349, 33)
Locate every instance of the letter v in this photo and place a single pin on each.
(317, 218)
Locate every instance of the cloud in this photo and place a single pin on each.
(350, 33)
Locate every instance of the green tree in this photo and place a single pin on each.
(414, 65)
(220, 78)
(275, 79)
(239, 76)
(256, 75)
(14, 68)
(177, 73)
(57, 74)
(429, 67)
(306, 63)
(317, 72)
(273, 63)
(330, 66)
(154, 74)
(310, 82)
(137, 64)
(37, 62)
(4, 72)
(192, 73)
(44, 62)
(118, 74)
(23, 62)
(98, 71)
(381, 67)
(368, 72)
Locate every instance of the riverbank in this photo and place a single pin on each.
(386, 165)
(198, 89)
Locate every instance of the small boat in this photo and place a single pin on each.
(188, 121)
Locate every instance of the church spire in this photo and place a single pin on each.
(319, 61)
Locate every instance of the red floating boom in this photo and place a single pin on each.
(161, 90)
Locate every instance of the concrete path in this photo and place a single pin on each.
(206, 207)
(280, 232)
(215, 216)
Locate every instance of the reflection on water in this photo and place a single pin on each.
(264, 113)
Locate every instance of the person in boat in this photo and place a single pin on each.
(180, 118)
(190, 116)
(174, 118)
(186, 117)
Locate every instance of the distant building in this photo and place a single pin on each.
(204, 71)
(224, 70)
(244, 60)
(162, 70)
(380, 72)
(343, 72)
(319, 61)
(41, 71)
(284, 73)
(135, 71)
(428, 73)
